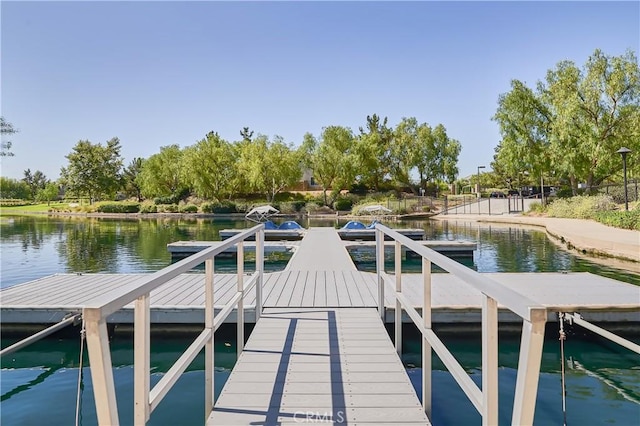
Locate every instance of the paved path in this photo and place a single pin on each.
(583, 235)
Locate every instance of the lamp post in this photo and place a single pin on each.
(479, 167)
(624, 151)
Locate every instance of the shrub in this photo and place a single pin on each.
(291, 206)
(536, 207)
(167, 208)
(9, 202)
(147, 207)
(581, 207)
(219, 207)
(311, 207)
(620, 219)
(343, 204)
(188, 208)
(118, 208)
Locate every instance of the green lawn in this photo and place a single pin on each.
(33, 208)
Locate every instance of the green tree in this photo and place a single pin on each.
(373, 152)
(573, 122)
(130, 178)
(94, 170)
(269, 166)
(36, 181)
(162, 175)
(404, 151)
(211, 167)
(48, 193)
(13, 188)
(333, 160)
(6, 130)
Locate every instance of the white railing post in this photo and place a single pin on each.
(104, 391)
(489, 361)
(209, 354)
(141, 360)
(260, 270)
(240, 289)
(524, 403)
(379, 270)
(398, 272)
(426, 346)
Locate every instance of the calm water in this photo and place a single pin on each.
(38, 385)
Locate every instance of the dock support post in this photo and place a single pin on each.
(260, 270)
(141, 360)
(240, 289)
(426, 346)
(104, 390)
(489, 361)
(379, 270)
(209, 354)
(398, 272)
(528, 369)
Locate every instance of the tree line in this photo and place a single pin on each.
(376, 157)
(570, 125)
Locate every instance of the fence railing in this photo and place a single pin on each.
(534, 316)
(146, 399)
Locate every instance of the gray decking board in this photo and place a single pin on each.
(310, 360)
(581, 292)
(321, 250)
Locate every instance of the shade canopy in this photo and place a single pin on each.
(261, 213)
(376, 208)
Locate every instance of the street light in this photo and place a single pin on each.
(479, 167)
(624, 151)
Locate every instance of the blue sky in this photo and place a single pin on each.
(158, 73)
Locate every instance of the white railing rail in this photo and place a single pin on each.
(534, 316)
(146, 399)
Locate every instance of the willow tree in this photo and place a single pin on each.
(333, 160)
(210, 167)
(162, 174)
(269, 166)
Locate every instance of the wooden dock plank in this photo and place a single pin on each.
(308, 360)
(600, 298)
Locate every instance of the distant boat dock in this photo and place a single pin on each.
(319, 347)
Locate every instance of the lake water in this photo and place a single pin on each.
(39, 384)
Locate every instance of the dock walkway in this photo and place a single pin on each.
(321, 249)
(318, 365)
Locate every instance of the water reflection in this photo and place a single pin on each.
(35, 246)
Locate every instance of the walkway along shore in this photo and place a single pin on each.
(585, 236)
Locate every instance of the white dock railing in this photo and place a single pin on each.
(146, 399)
(534, 317)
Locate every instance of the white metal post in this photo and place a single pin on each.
(104, 391)
(240, 288)
(398, 272)
(141, 360)
(528, 371)
(426, 347)
(260, 270)
(379, 270)
(209, 353)
(489, 361)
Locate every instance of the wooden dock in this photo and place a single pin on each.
(320, 352)
(334, 366)
(181, 300)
